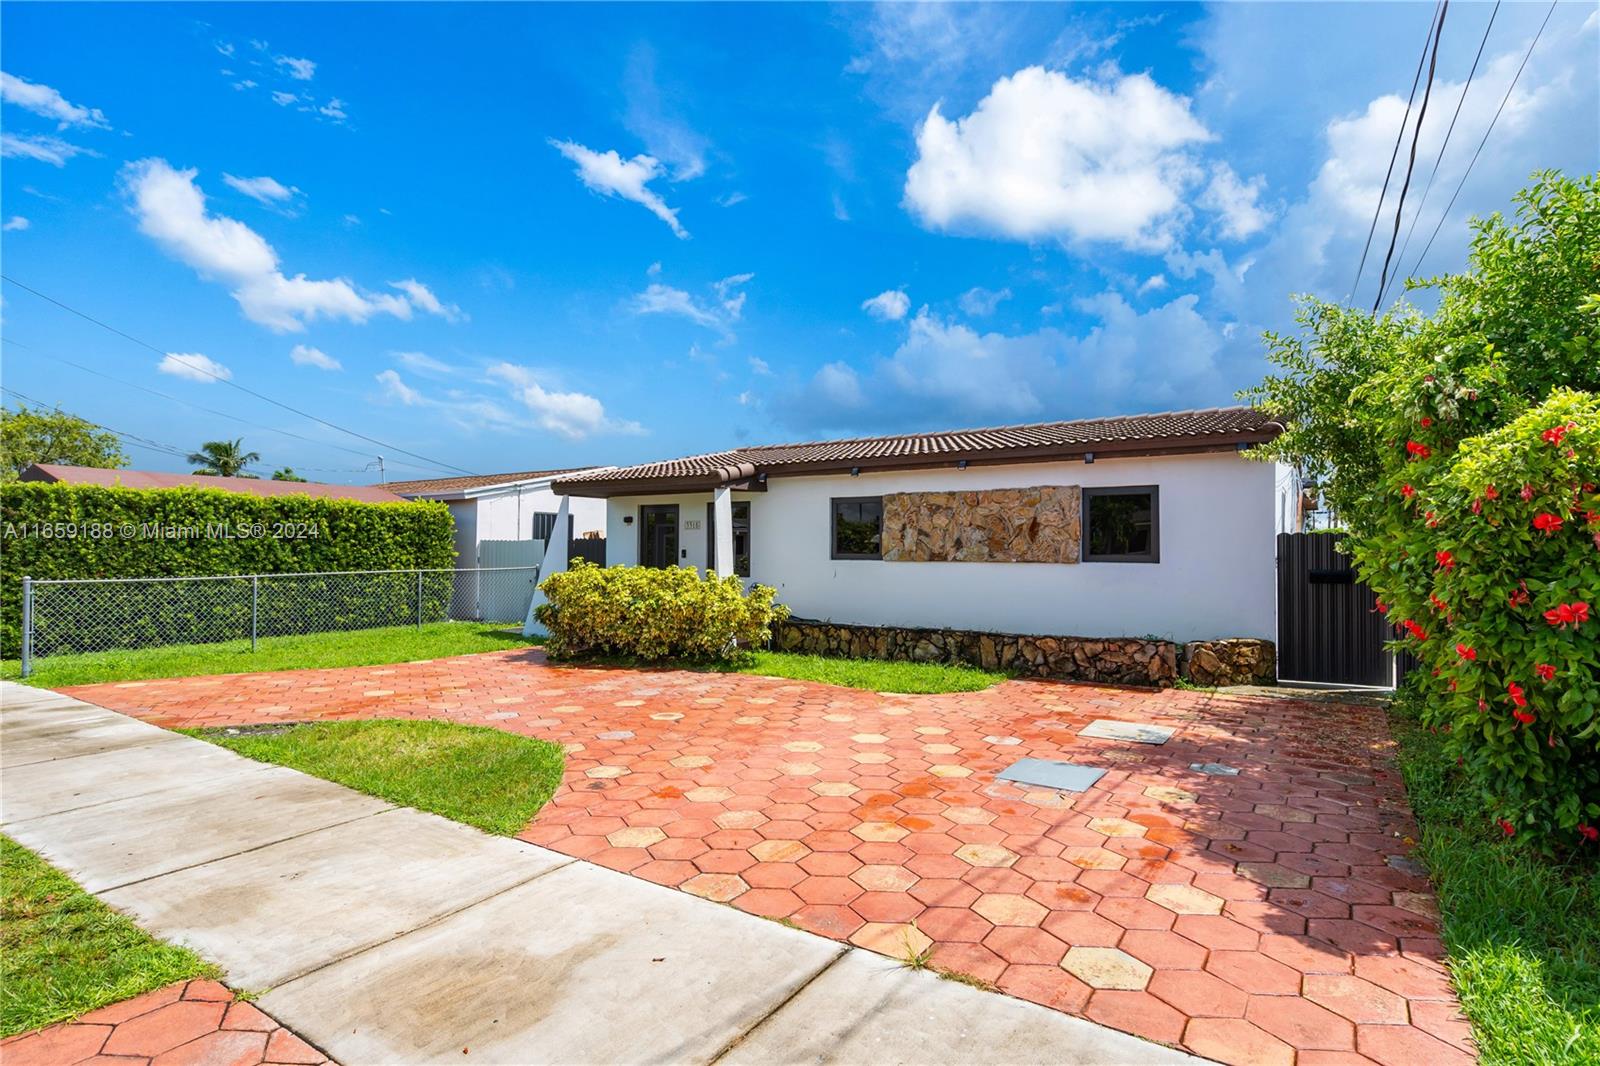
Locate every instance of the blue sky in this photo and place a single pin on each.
(518, 236)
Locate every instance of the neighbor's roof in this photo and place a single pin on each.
(150, 479)
(1171, 432)
(446, 485)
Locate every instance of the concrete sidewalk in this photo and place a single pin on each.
(388, 935)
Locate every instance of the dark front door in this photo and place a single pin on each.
(658, 534)
(1329, 629)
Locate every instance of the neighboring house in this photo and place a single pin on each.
(149, 479)
(506, 519)
(1144, 525)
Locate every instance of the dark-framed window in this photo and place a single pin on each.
(741, 537)
(856, 527)
(544, 523)
(1122, 525)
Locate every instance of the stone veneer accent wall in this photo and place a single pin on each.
(1031, 525)
(1118, 660)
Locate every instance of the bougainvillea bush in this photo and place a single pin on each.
(1461, 449)
(654, 613)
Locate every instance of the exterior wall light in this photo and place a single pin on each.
(855, 471)
(1088, 457)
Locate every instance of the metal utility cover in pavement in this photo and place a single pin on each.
(1215, 769)
(1106, 729)
(1046, 773)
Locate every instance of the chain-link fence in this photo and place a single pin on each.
(71, 617)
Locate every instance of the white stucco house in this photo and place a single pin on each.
(1152, 525)
(505, 519)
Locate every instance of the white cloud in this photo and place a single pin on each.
(298, 69)
(731, 199)
(979, 302)
(759, 365)
(283, 99)
(263, 190)
(1154, 283)
(305, 355)
(43, 100)
(45, 149)
(611, 175)
(667, 136)
(426, 364)
(15, 223)
(171, 210)
(333, 109)
(1048, 156)
(244, 83)
(888, 306)
(574, 415)
(192, 366)
(660, 299)
(423, 299)
(394, 388)
(732, 300)
(1236, 202)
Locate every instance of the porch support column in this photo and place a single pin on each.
(722, 513)
(555, 561)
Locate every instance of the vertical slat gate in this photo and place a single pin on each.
(1328, 627)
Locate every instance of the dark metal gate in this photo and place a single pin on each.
(1329, 629)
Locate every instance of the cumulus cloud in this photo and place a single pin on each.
(888, 306)
(609, 174)
(171, 210)
(574, 415)
(979, 302)
(423, 299)
(298, 69)
(192, 366)
(264, 190)
(45, 149)
(395, 388)
(305, 355)
(1235, 202)
(15, 223)
(1048, 156)
(45, 101)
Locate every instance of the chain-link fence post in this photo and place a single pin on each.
(27, 626)
(419, 599)
(255, 611)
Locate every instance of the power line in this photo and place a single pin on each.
(1439, 159)
(231, 384)
(1503, 101)
(220, 414)
(1377, 211)
(1411, 163)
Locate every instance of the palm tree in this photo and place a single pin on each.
(223, 458)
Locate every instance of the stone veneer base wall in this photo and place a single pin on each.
(1116, 660)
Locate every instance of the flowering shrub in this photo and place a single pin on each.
(1497, 597)
(1462, 450)
(652, 613)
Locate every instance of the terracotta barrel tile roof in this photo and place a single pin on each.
(1212, 429)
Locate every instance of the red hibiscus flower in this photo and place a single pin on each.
(1547, 523)
(1445, 560)
(1489, 493)
(1514, 690)
(1589, 833)
(1418, 450)
(1527, 492)
(1407, 491)
(1426, 422)
(1414, 629)
(1545, 671)
(1477, 506)
(1466, 651)
(1568, 614)
(1554, 434)
(1519, 597)
(1506, 827)
(1523, 716)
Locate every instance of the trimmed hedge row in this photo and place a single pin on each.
(89, 531)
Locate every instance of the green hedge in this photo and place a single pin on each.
(654, 613)
(88, 531)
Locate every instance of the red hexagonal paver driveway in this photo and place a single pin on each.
(1267, 916)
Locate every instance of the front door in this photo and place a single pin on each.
(658, 534)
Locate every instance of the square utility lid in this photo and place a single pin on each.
(1047, 773)
(1138, 732)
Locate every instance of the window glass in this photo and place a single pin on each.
(858, 528)
(741, 537)
(1120, 525)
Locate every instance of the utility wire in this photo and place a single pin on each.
(1411, 163)
(231, 384)
(1503, 100)
(221, 414)
(1395, 153)
(1438, 159)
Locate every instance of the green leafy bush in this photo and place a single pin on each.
(90, 531)
(1462, 451)
(653, 613)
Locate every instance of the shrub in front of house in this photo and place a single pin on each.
(654, 613)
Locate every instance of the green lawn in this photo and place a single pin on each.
(64, 953)
(363, 647)
(871, 674)
(484, 777)
(1523, 932)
